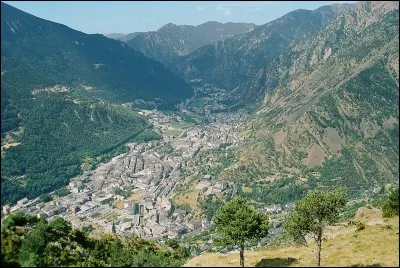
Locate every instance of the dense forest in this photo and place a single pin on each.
(29, 241)
(58, 134)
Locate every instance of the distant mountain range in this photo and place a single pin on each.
(171, 41)
(117, 36)
(122, 37)
(234, 62)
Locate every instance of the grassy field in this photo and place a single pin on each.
(177, 128)
(188, 198)
(181, 125)
(376, 245)
(173, 132)
(119, 204)
(135, 196)
(246, 189)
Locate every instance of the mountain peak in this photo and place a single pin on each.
(211, 22)
(168, 26)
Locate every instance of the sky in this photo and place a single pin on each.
(124, 17)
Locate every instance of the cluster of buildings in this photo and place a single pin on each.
(131, 193)
(277, 208)
(206, 187)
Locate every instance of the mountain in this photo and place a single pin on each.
(122, 37)
(61, 96)
(333, 117)
(234, 62)
(84, 58)
(171, 41)
(117, 36)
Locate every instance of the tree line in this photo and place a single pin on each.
(27, 241)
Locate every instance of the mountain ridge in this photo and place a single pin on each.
(171, 40)
(77, 48)
(233, 63)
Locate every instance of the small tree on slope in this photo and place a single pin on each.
(238, 222)
(390, 207)
(312, 214)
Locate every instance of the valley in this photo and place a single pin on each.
(134, 191)
(171, 136)
(170, 188)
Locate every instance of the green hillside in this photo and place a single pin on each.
(55, 54)
(58, 135)
(334, 120)
(61, 101)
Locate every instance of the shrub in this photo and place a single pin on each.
(360, 225)
(45, 198)
(387, 226)
(390, 206)
(173, 243)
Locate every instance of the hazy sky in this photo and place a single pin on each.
(127, 17)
